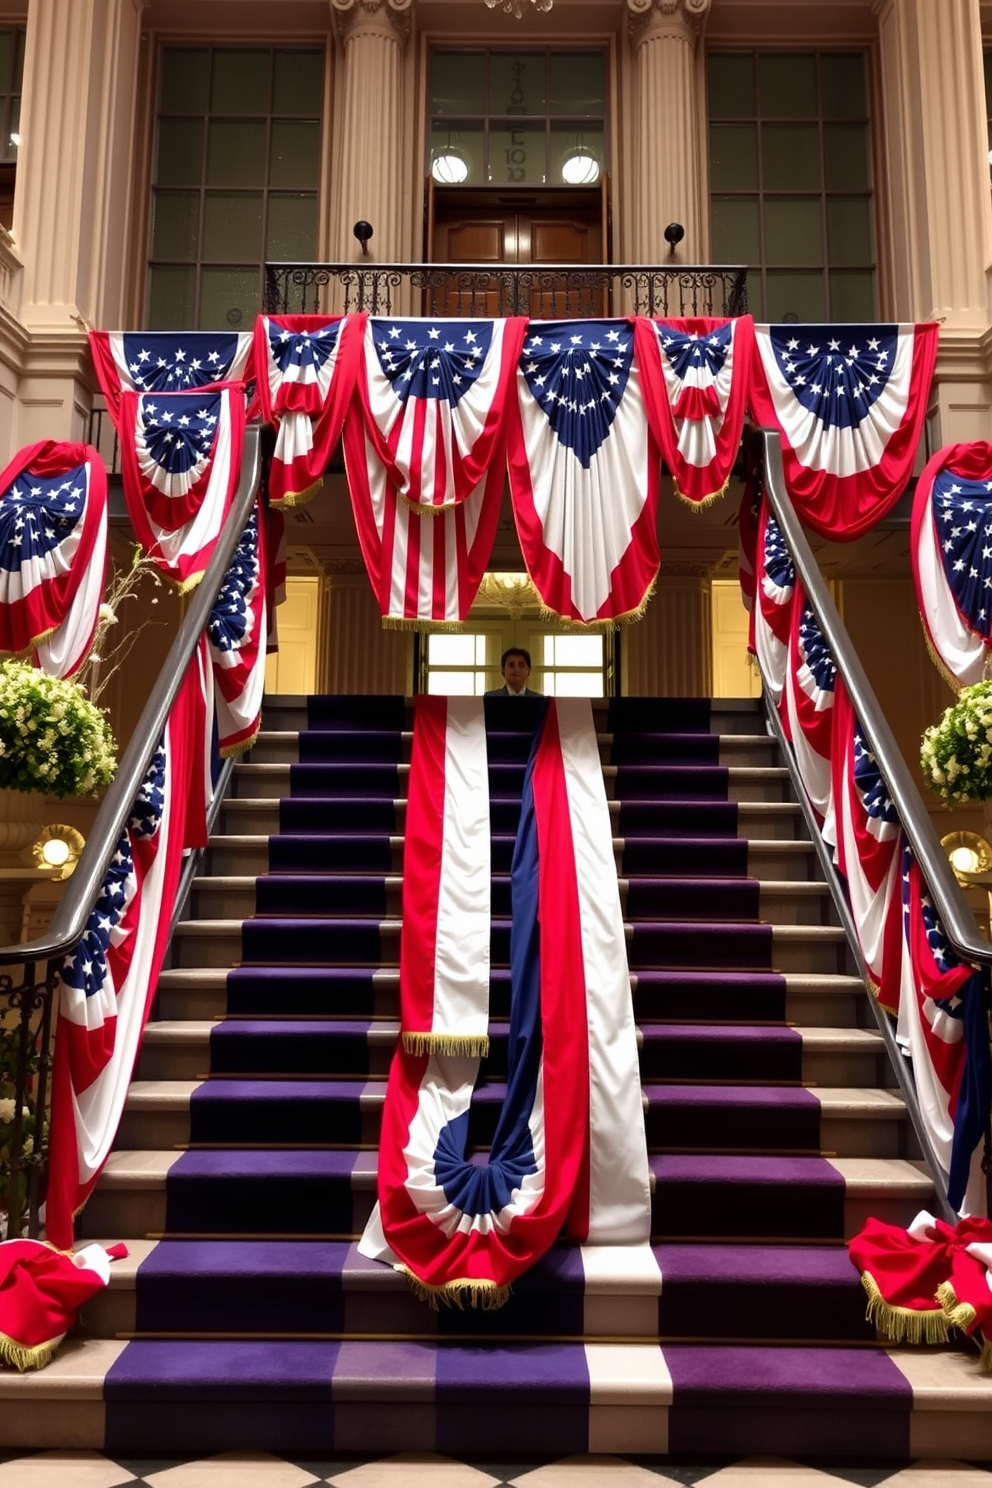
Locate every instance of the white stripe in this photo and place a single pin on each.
(203, 528)
(870, 909)
(63, 651)
(461, 958)
(620, 1201)
(697, 437)
(841, 452)
(814, 770)
(961, 651)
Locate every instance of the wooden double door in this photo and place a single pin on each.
(519, 232)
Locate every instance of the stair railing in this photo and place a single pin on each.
(956, 917)
(32, 998)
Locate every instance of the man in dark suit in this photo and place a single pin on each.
(515, 667)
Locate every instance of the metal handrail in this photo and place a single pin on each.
(957, 919)
(82, 889)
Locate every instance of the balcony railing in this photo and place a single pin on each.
(546, 291)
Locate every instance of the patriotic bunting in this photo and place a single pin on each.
(434, 395)
(41, 1291)
(807, 700)
(166, 362)
(868, 845)
(943, 1027)
(584, 470)
(53, 549)
(237, 635)
(569, 1150)
(696, 373)
(307, 367)
(952, 558)
(108, 981)
(425, 571)
(849, 403)
(772, 614)
(181, 461)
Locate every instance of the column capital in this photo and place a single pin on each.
(679, 18)
(389, 18)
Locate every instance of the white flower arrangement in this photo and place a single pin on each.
(956, 753)
(52, 738)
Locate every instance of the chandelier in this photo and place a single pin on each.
(518, 7)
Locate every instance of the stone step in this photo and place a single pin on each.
(130, 1197)
(235, 896)
(823, 999)
(218, 943)
(773, 859)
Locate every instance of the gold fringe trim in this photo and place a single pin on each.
(424, 510)
(904, 1324)
(299, 498)
(698, 506)
(185, 586)
(426, 627)
(629, 617)
(485, 1296)
(986, 1359)
(958, 1314)
(231, 751)
(954, 683)
(473, 1046)
(22, 1358)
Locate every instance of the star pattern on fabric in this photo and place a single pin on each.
(870, 783)
(816, 653)
(962, 515)
(837, 377)
(179, 433)
(167, 362)
(302, 352)
(425, 360)
(778, 560)
(578, 371)
(85, 967)
(228, 622)
(687, 351)
(37, 513)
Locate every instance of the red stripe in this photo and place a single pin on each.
(439, 572)
(422, 856)
(414, 538)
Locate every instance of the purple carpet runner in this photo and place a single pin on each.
(313, 1348)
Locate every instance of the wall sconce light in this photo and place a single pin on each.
(57, 849)
(580, 167)
(674, 233)
(449, 166)
(363, 232)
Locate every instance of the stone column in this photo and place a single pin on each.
(670, 652)
(370, 165)
(667, 148)
(72, 198)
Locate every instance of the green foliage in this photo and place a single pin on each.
(956, 753)
(52, 738)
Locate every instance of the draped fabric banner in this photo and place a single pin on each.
(237, 635)
(108, 981)
(951, 548)
(849, 402)
(434, 394)
(584, 470)
(307, 366)
(775, 582)
(569, 1149)
(166, 362)
(868, 842)
(425, 571)
(696, 375)
(927, 1281)
(41, 1291)
(53, 552)
(181, 461)
(807, 701)
(944, 1029)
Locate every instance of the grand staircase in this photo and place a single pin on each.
(245, 1166)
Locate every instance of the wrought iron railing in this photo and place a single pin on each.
(546, 291)
(958, 921)
(29, 973)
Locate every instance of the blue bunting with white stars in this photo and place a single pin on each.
(167, 362)
(236, 637)
(952, 558)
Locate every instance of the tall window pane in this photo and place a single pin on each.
(235, 178)
(790, 177)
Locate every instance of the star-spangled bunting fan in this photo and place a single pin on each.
(952, 558)
(434, 394)
(307, 366)
(180, 461)
(584, 470)
(943, 1027)
(53, 550)
(807, 703)
(108, 980)
(569, 1150)
(774, 588)
(696, 375)
(425, 571)
(868, 842)
(849, 403)
(236, 635)
(167, 362)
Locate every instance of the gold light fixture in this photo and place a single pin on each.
(513, 592)
(57, 849)
(518, 7)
